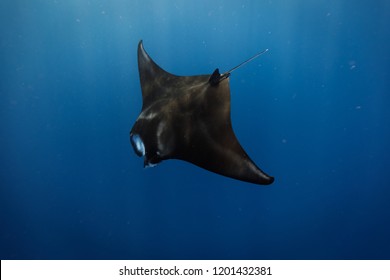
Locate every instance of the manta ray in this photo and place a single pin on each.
(188, 118)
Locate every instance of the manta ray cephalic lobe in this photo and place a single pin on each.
(188, 118)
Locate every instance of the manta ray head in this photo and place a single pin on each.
(152, 138)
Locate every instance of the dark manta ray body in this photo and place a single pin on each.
(188, 118)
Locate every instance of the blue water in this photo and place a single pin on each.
(313, 112)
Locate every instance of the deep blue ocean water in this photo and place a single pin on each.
(313, 112)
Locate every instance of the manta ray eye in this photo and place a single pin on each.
(138, 145)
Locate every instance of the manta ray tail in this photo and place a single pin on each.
(216, 77)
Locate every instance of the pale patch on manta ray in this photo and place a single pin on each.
(147, 115)
(160, 144)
